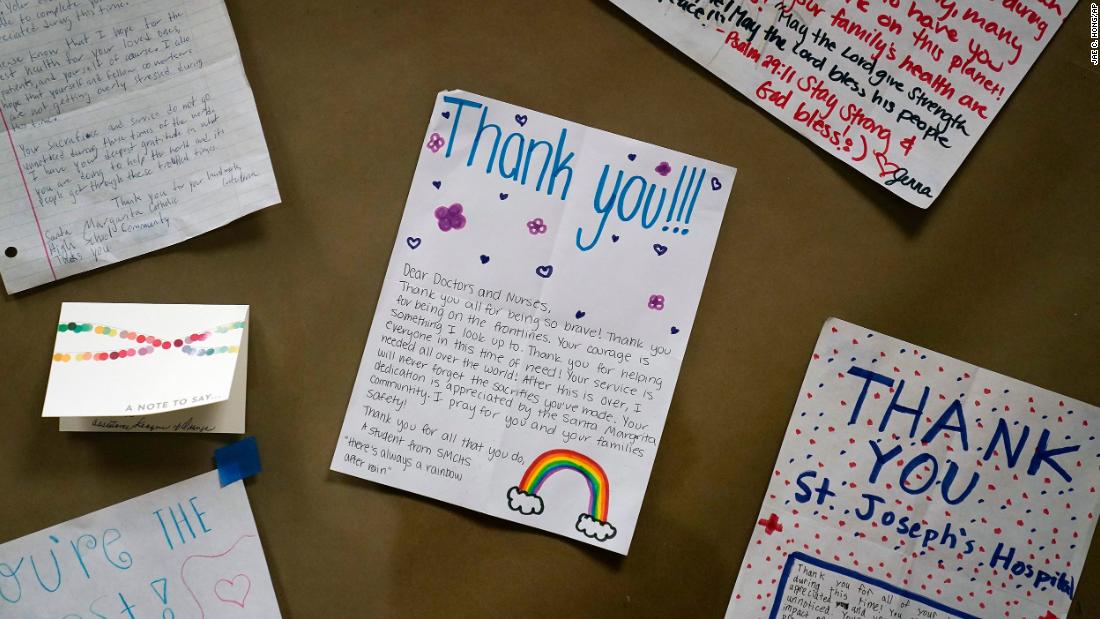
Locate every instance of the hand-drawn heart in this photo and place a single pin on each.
(660, 249)
(233, 590)
(580, 314)
(413, 241)
(503, 196)
(885, 165)
(484, 259)
(436, 184)
(674, 330)
(446, 114)
(544, 271)
(632, 156)
(614, 238)
(715, 184)
(521, 119)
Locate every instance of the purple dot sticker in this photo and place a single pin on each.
(544, 271)
(450, 217)
(413, 242)
(435, 142)
(537, 226)
(663, 168)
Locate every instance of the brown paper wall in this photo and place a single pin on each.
(1003, 272)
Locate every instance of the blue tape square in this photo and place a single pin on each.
(237, 461)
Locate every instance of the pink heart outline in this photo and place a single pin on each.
(232, 582)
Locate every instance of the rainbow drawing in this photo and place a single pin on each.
(525, 498)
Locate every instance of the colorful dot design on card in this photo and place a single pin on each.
(144, 345)
(525, 498)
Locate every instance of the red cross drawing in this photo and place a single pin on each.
(771, 525)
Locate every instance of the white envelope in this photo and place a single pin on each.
(121, 367)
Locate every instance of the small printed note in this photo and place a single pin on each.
(132, 367)
(912, 485)
(189, 551)
(532, 322)
(130, 126)
(901, 90)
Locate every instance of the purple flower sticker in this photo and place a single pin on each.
(536, 226)
(663, 168)
(657, 302)
(450, 217)
(435, 142)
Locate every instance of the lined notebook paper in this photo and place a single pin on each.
(130, 126)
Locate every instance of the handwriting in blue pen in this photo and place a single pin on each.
(547, 166)
(89, 557)
(626, 206)
(920, 472)
(511, 156)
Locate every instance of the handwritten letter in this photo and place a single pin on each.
(534, 315)
(129, 126)
(901, 90)
(912, 485)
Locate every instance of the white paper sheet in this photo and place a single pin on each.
(900, 90)
(911, 484)
(135, 367)
(533, 319)
(189, 550)
(130, 126)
